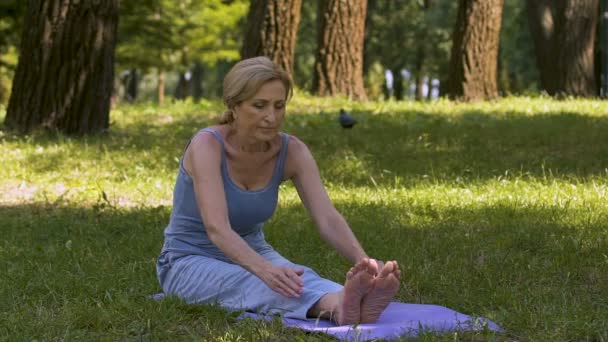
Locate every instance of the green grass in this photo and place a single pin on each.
(496, 209)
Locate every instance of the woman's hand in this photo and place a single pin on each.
(284, 280)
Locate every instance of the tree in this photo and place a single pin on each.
(179, 35)
(394, 22)
(65, 72)
(271, 31)
(474, 57)
(304, 61)
(11, 20)
(339, 57)
(517, 71)
(421, 55)
(564, 38)
(420, 28)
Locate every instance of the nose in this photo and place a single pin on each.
(272, 116)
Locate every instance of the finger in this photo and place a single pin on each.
(294, 275)
(289, 292)
(279, 287)
(292, 284)
(282, 291)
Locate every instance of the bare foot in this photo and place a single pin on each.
(358, 283)
(384, 288)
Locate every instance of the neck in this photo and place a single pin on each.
(244, 143)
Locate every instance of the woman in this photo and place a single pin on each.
(227, 187)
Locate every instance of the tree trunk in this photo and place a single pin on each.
(183, 87)
(397, 83)
(197, 80)
(430, 87)
(368, 54)
(161, 87)
(221, 69)
(564, 37)
(65, 73)
(472, 74)
(604, 43)
(132, 85)
(421, 55)
(271, 31)
(2, 90)
(339, 58)
(419, 73)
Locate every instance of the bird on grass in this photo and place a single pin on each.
(346, 120)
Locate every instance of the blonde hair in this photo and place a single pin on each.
(244, 80)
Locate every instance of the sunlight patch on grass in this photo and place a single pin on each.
(495, 209)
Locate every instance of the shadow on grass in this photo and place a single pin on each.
(390, 148)
(537, 272)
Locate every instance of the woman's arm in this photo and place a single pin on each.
(302, 169)
(202, 161)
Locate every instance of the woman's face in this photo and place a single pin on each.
(261, 116)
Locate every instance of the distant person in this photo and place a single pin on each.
(227, 187)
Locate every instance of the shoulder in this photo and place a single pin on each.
(206, 139)
(295, 145)
(297, 149)
(204, 148)
(298, 157)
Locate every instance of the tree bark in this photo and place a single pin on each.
(271, 31)
(339, 58)
(474, 57)
(65, 73)
(564, 34)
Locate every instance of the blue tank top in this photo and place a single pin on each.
(247, 211)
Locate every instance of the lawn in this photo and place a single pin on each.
(495, 209)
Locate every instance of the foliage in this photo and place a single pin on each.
(399, 30)
(495, 209)
(306, 44)
(168, 34)
(171, 35)
(11, 18)
(517, 62)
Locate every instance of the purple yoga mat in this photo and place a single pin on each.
(398, 320)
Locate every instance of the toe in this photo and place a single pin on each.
(372, 267)
(388, 269)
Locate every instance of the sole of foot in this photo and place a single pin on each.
(383, 290)
(359, 281)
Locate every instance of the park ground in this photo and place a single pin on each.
(494, 209)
